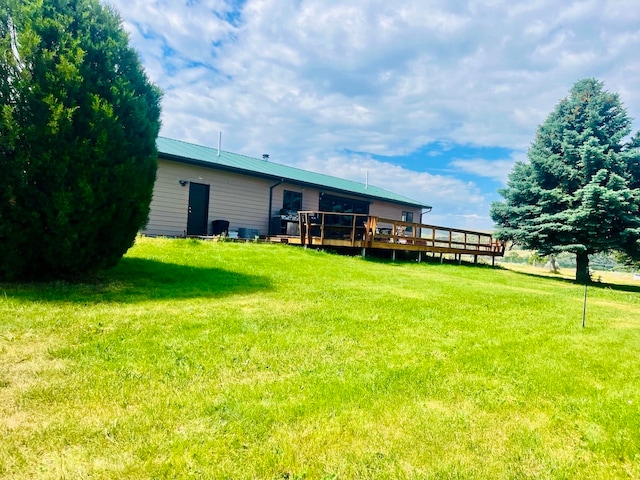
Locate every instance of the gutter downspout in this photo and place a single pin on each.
(271, 202)
(425, 212)
(428, 209)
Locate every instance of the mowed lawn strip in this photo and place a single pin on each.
(197, 359)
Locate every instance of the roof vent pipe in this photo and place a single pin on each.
(366, 179)
(265, 156)
(219, 141)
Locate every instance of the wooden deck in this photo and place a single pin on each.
(357, 231)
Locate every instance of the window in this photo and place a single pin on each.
(336, 204)
(333, 203)
(292, 201)
(407, 217)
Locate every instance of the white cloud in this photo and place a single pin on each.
(441, 68)
(495, 169)
(461, 202)
(305, 79)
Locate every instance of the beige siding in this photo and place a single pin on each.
(240, 199)
(311, 201)
(310, 197)
(168, 215)
(243, 200)
(392, 211)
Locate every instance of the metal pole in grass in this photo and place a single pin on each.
(584, 308)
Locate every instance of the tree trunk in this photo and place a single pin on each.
(582, 268)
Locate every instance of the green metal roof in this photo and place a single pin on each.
(206, 156)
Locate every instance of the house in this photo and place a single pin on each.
(197, 185)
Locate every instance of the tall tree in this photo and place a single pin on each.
(580, 190)
(78, 126)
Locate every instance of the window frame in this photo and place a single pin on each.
(289, 200)
(406, 216)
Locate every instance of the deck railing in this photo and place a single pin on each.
(330, 225)
(361, 230)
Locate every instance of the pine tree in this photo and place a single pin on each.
(78, 125)
(580, 190)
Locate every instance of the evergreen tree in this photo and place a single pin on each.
(580, 190)
(78, 126)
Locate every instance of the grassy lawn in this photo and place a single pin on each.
(598, 276)
(230, 360)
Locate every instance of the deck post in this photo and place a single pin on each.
(428, 247)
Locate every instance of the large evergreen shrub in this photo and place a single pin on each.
(580, 190)
(78, 125)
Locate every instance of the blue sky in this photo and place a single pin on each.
(434, 100)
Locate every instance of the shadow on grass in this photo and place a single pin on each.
(621, 287)
(385, 259)
(404, 258)
(137, 280)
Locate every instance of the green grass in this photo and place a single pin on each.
(229, 360)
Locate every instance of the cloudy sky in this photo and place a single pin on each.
(434, 99)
